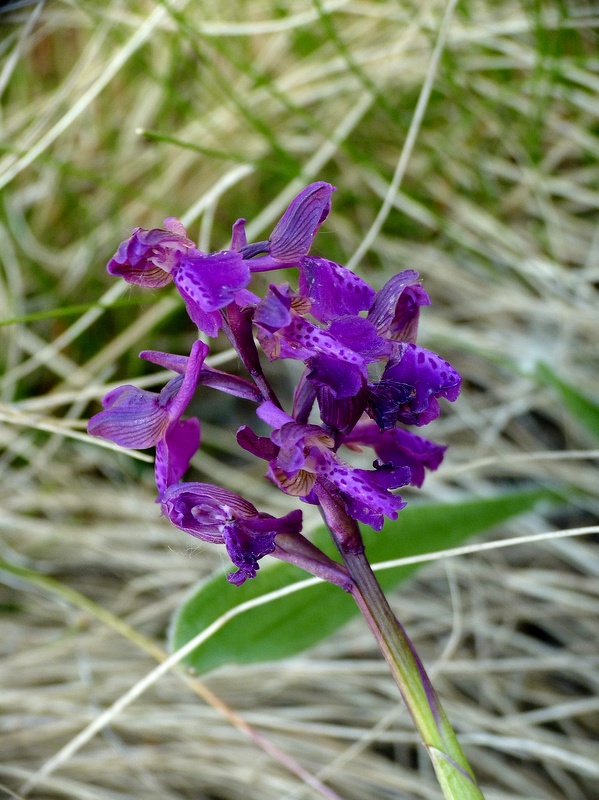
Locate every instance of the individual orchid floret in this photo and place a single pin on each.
(137, 418)
(337, 357)
(149, 257)
(396, 307)
(219, 516)
(207, 282)
(412, 382)
(292, 236)
(299, 455)
(399, 448)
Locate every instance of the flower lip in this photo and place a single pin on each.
(334, 290)
(423, 376)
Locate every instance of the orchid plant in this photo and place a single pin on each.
(342, 330)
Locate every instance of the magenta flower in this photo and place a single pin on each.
(298, 455)
(148, 258)
(209, 282)
(219, 516)
(337, 356)
(346, 335)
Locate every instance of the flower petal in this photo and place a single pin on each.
(203, 510)
(174, 452)
(132, 418)
(361, 336)
(198, 353)
(293, 234)
(250, 539)
(398, 448)
(385, 302)
(365, 492)
(211, 281)
(430, 376)
(342, 379)
(335, 291)
(341, 412)
(167, 360)
(260, 446)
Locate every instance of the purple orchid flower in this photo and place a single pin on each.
(337, 357)
(209, 282)
(412, 381)
(299, 455)
(137, 418)
(219, 516)
(339, 327)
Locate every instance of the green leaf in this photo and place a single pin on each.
(295, 622)
(584, 408)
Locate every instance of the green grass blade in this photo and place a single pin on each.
(583, 408)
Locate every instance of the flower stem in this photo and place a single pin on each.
(451, 767)
(453, 772)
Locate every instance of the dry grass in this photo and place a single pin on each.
(498, 211)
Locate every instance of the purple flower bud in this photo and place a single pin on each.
(219, 516)
(148, 257)
(396, 307)
(292, 237)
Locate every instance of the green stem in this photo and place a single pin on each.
(451, 767)
(453, 772)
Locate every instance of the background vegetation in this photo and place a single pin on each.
(119, 114)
